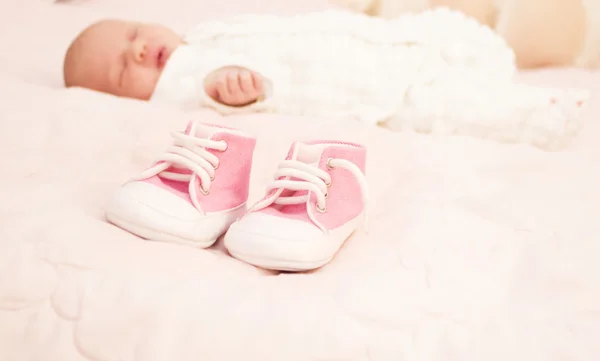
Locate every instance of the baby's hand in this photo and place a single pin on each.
(234, 86)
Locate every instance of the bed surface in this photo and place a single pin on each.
(476, 251)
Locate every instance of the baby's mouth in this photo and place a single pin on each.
(162, 56)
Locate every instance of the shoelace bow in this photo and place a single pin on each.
(312, 179)
(189, 153)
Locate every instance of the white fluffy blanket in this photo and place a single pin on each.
(477, 251)
(433, 72)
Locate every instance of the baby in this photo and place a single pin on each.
(127, 59)
(436, 71)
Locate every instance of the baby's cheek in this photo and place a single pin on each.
(143, 83)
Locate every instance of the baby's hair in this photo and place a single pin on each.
(71, 64)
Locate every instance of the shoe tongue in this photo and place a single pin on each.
(205, 131)
(309, 153)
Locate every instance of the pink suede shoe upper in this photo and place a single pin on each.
(344, 194)
(229, 187)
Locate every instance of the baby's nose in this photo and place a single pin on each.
(139, 51)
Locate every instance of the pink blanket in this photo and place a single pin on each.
(477, 251)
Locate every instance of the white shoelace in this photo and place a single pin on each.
(312, 179)
(191, 153)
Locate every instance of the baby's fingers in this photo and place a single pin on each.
(229, 89)
(212, 89)
(233, 87)
(257, 80)
(246, 82)
(236, 87)
(221, 89)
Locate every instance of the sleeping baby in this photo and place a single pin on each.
(432, 72)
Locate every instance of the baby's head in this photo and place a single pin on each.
(119, 57)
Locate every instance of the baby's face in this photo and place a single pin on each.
(121, 58)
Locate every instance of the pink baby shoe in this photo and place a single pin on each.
(195, 190)
(317, 200)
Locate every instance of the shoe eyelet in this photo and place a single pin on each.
(212, 177)
(328, 184)
(328, 164)
(326, 195)
(321, 210)
(204, 192)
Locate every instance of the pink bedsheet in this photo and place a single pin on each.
(477, 251)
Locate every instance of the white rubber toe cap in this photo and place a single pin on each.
(281, 243)
(157, 214)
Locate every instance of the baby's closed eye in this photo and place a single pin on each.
(133, 33)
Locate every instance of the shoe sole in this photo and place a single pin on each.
(281, 265)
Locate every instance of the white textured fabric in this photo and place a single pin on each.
(436, 71)
(335, 63)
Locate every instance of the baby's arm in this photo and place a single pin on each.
(235, 86)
